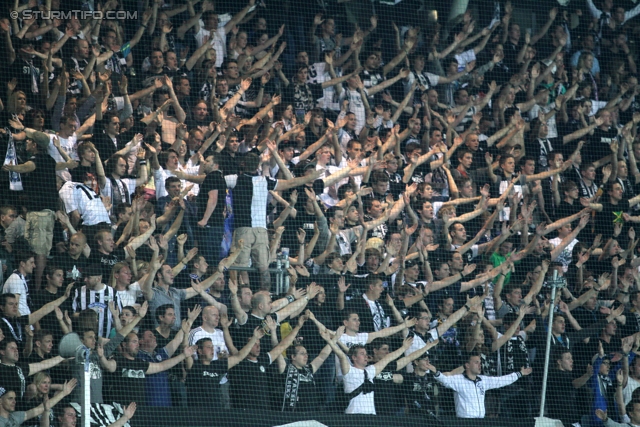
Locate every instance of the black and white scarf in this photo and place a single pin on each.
(514, 356)
(11, 158)
(292, 386)
(17, 332)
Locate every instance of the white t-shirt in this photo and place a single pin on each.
(464, 58)
(89, 206)
(69, 147)
(362, 403)
(217, 338)
(217, 39)
(66, 195)
(129, 296)
(17, 285)
(551, 122)
(565, 256)
(632, 385)
(360, 338)
(418, 343)
(356, 106)
(161, 175)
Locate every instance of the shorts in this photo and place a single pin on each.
(38, 231)
(255, 247)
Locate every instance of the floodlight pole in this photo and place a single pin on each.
(555, 284)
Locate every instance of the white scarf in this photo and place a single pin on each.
(11, 158)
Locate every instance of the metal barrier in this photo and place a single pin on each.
(280, 270)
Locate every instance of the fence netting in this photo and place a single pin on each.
(336, 212)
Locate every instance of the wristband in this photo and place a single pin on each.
(290, 298)
(467, 307)
(142, 162)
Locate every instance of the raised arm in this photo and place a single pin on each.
(345, 366)
(67, 388)
(49, 307)
(285, 343)
(401, 363)
(386, 332)
(155, 368)
(299, 304)
(382, 363)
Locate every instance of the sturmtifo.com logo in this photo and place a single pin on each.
(78, 14)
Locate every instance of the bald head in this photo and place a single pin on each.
(210, 316)
(261, 302)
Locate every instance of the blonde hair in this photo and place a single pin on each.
(375, 243)
(115, 270)
(39, 378)
(12, 104)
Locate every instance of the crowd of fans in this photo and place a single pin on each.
(423, 187)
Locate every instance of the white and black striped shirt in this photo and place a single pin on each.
(97, 301)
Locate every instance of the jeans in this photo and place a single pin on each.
(209, 243)
(178, 393)
(326, 380)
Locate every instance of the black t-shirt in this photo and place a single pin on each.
(561, 397)
(565, 209)
(379, 231)
(67, 264)
(251, 383)
(598, 144)
(307, 396)
(162, 341)
(213, 181)
(242, 333)
(610, 214)
(419, 392)
(59, 373)
(40, 185)
(541, 149)
(386, 393)
(203, 383)
(50, 322)
(78, 173)
(27, 74)
(14, 328)
(106, 260)
(291, 225)
(229, 164)
(144, 252)
(129, 380)
(511, 54)
(14, 377)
